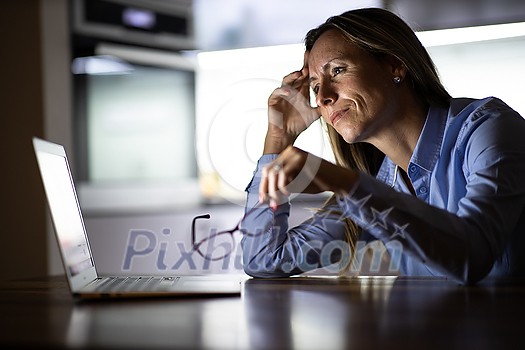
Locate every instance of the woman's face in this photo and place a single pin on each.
(354, 90)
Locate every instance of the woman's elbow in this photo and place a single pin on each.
(258, 269)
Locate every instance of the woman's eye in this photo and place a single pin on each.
(337, 70)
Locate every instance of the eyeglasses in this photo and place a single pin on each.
(220, 244)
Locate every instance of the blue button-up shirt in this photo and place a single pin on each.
(465, 221)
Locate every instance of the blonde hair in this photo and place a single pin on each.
(382, 34)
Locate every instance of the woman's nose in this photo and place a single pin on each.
(326, 95)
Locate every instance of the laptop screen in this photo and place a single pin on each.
(65, 212)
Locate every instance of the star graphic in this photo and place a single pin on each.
(326, 218)
(359, 203)
(379, 217)
(399, 231)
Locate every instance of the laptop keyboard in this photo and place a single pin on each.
(134, 284)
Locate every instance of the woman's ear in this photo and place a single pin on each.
(396, 67)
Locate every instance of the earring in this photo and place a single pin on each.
(397, 80)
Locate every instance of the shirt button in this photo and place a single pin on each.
(423, 190)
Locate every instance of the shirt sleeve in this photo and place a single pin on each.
(272, 249)
(462, 245)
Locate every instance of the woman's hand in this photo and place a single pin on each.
(296, 171)
(289, 111)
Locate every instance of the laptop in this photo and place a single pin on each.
(79, 263)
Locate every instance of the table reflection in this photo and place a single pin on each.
(147, 324)
(311, 313)
(378, 312)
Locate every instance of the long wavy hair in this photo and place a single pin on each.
(380, 33)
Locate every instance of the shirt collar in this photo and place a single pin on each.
(429, 143)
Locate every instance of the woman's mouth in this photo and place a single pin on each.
(337, 115)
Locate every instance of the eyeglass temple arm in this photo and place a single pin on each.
(203, 216)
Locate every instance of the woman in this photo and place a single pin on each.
(437, 180)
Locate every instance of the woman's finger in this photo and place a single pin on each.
(270, 192)
(263, 186)
(282, 181)
(273, 195)
(279, 93)
(289, 79)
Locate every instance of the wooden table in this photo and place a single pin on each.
(298, 313)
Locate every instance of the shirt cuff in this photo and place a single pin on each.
(256, 178)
